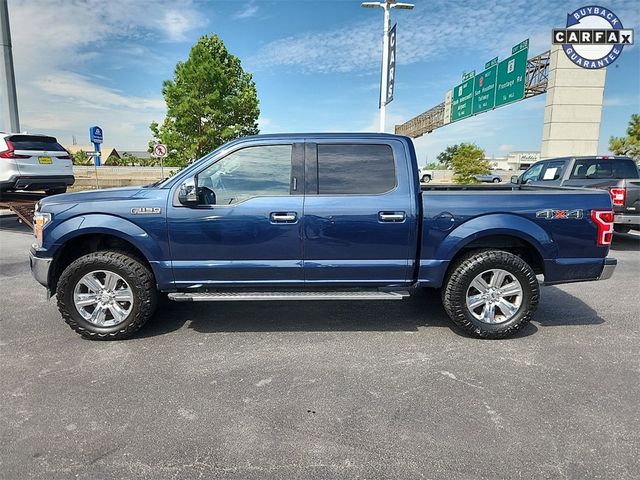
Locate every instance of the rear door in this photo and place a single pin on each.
(39, 155)
(359, 218)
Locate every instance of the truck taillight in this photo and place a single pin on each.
(604, 221)
(618, 196)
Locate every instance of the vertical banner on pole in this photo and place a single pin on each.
(391, 65)
(95, 135)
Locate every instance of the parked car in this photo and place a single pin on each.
(618, 175)
(425, 175)
(34, 162)
(291, 217)
(489, 178)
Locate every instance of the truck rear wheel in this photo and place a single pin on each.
(491, 293)
(106, 295)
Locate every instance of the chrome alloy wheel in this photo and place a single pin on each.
(103, 298)
(494, 296)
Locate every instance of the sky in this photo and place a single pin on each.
(316, 64)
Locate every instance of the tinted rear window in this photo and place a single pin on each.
(35, 142)
(355, 169)
(602, 168)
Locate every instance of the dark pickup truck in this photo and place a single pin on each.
(618, 175)
(291, 217)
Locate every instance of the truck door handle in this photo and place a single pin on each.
(283, 217)
(391, 216)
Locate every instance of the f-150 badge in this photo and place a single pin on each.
(146, 211)
(551, 214)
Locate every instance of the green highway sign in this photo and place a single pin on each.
(468, 75)
(462, 101)
(484, 90)
(511, 76)
(491, 63)
(523, 45)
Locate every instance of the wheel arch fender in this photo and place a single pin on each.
(106, 225)
(112, 226)
(497, 225)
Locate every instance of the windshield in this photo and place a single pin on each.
(189, 168)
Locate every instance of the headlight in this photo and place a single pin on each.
(40, 220)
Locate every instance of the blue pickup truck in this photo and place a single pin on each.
(291, 217)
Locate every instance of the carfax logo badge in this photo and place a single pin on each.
(594, 37)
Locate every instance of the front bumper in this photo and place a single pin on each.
(40, 269)
(608, 269)
(627, 219)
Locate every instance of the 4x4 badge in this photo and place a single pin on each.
(551, 214)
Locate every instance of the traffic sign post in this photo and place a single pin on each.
(160, 151)
(96, 137)
(462, 101)
(512, 72)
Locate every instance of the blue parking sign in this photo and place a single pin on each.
(95, 134)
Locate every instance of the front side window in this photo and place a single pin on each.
(251, 172)
(552, 171)
(355, 169)
(532, 174)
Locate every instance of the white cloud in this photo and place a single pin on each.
(177, 23)
(433, 30)
(249, 10)
(52, 43)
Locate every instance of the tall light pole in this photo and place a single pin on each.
(7, 77)
(387, 5)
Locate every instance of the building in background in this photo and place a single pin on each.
(514, 161)
(105, 152)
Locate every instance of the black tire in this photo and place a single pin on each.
(496, 180)
(136, 274)
(56, 191)
(426, 178)
(463, 272)
(621, 228)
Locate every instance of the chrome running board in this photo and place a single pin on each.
(293, 295)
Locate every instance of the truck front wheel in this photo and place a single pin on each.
(491, 293)
(106, 295)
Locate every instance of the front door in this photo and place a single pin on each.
(246, 229)
(360, 222)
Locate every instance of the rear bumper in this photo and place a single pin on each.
(570, 270)
(608, 269)
(37, 182)
(40, 269)
(627, 219)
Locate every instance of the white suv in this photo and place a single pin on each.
(34, 162)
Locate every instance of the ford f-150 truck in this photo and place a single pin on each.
(290, 217)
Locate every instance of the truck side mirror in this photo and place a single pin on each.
(188, 195)
(515, 179)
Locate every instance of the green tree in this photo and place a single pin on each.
(210, 101)
(629, 145)
(80, 158)
(467, 162)
(435, 166)
(446, 157)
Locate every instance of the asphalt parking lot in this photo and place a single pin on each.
(322, 389)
